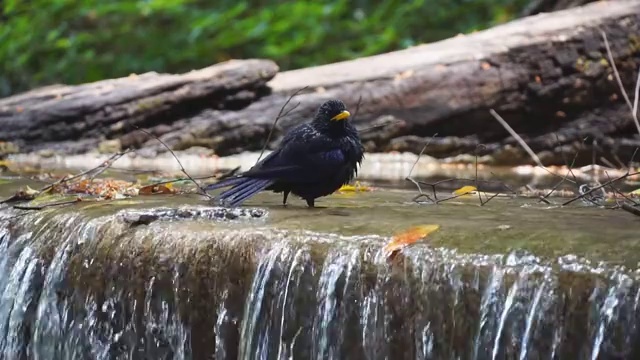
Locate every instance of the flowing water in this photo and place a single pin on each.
(171, 278)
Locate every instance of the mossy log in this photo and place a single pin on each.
(548, 75)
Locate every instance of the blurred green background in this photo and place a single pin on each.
(73, 41)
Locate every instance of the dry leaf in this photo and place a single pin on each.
(408, 237)
(156, 189)
(465, 190)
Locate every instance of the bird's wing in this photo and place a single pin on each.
(300, 161)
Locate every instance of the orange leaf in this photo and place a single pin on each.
(408, 237)
(155, 189)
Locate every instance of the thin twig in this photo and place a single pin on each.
(607, 162)
(390, 122)
(633, 108)
(616, 190)
(355, 114)
(475, 181)
(280, 115)
(636, 99)
(450, 198)
(633, 157)
(570, 171)
(522, 143)
(104, 165)
(410, 179)
(40, 207)
(489, 199)
(439, 182)
(200, 189)
(219, 177)
(627, 174)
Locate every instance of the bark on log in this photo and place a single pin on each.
(547, 75)
(74, 118)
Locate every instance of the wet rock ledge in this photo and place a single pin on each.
(548, 75)
(197, 283)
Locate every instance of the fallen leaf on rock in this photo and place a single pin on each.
(408, 237)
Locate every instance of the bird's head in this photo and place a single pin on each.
(332, 113)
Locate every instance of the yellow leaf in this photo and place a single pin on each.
(408, 237)
(354, 188)
(635, 192)
(465, 190)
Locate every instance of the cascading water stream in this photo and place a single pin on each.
(100, 288)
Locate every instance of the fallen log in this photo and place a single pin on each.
(73, 119)
(548, 75)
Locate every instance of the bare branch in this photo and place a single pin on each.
(522, 143)
(633, 108)
(627, 174)
(40, 207)
(410, 179)
(200, 189)
(280, 115)
(96, 171)
(636, 99)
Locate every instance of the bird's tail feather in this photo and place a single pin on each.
(225, 183)
(242, 190)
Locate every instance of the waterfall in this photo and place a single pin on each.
(78, 287)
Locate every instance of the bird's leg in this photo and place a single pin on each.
(311, 202)
(285, 194)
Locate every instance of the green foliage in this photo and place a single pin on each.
(74, 41)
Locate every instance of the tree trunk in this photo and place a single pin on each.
(548, 75)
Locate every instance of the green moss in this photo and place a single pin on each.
(634, 41)
(147, 104)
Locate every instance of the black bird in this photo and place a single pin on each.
(313, 160)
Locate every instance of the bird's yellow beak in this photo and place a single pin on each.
(343, 115)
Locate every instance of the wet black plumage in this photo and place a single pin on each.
(313, 160)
